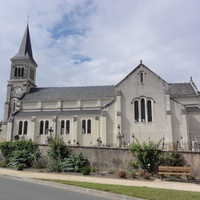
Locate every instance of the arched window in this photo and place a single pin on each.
(141, 77)
(136, 111)
(149, 111)
(15, 75)
(62, 127)
(46, 127)
(20, 128)
(19, 72)
(22, 71)
(142, 110)
(83, 126)
(89, 126)
(41, 127)
(67, 127)
(25, 127)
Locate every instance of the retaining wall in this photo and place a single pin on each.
(114, 159)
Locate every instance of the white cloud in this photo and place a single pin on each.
(114, 34)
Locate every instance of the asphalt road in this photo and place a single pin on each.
(13, 189)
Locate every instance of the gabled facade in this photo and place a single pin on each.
(141, 106)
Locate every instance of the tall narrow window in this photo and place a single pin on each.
(89, 126)
(13, 106)
(136, 111)
(15, 72)
(22, 72)
(25, 127)
(141, 77)
(142, 110)
(41, 127)
(149, 111)
(62, 127)
(20, 128)
(83, 127)
(46, 127)
(67, 127)
(19, 72)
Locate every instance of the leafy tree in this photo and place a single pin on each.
(57, 151)
(147, 154)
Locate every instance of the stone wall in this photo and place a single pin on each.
(114, 159)
(193, 160)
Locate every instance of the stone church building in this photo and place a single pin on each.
(142, 106)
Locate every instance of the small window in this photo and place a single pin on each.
(25, 127)
(41, 127)
(20, 128)
(83, 127)
(136, 111)
(141, 77)
(15, 72)
(89, 126)
(149, 111)
(19, 72)
(22, 72)
(14, 106)
(62, 127)
(46, 127)
(142, 110)
(67, 127)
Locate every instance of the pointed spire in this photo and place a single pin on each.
(25, 50)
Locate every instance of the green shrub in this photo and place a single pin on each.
(2, 164)
(57, 151)
(133, 174)
(74, 163)
(174, 158)
(54, 166)
(20, 167)
(93, 169)
(147, 155)
(135, 164)
(19, 152)
(86, 170)
(41, 163)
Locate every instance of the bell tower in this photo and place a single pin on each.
(22, 76)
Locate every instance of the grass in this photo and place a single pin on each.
(140, 192)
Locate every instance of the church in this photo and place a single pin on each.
(142, 106)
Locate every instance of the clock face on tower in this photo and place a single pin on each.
(17, 92)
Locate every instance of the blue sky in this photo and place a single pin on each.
(98, 42)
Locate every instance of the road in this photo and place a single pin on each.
(13, 189)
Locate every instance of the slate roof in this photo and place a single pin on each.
(192, 109)
(56, 113)
(70, 93)
(25, 50)
(181, 89)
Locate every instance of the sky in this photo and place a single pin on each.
(98, 42)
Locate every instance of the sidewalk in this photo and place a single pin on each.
(153, 184)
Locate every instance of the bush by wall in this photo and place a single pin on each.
(21, 152)
(147, 155)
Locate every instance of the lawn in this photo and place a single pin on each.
(140, 192)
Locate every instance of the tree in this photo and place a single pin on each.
(147, 155)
